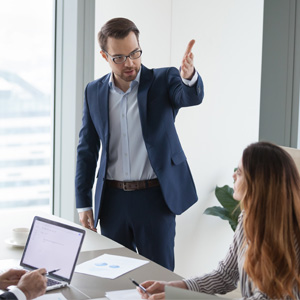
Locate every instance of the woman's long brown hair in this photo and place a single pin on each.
(272, 219)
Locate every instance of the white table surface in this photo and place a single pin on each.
(23, 218)
(93, 241)
(82, 286)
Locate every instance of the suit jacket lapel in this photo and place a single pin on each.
(103, 96)
(103, 100)
(145, 83)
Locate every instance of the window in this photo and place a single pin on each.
(26, 102)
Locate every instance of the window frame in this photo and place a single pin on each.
(74, 68)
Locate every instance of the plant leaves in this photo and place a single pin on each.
(224, 214)
(233, 224)
(230, 209)
(220, 212)
(225, 197)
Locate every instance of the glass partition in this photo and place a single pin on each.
(26, 104)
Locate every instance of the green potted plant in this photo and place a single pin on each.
(230, 209)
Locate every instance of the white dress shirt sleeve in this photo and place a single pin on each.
(192, 81)
(18, 293)
(83, 209)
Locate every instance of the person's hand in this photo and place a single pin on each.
(87, 219)
(33, 284)
(187, 65)
(156, 289)
(10, 277)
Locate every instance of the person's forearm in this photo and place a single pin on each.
(180, 284)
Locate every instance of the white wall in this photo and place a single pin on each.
(227, 53)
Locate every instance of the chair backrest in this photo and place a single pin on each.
(295, 154)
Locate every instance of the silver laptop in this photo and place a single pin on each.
(173, 293)
(55, 247)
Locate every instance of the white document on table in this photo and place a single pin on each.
(56, 296)
(109, 266)
(123, 295)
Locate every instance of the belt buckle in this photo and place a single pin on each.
(125, 188)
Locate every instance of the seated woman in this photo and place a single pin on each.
(264, 255)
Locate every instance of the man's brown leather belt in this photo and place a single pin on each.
(132, 185)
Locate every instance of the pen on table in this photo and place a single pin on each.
(140, 286)
(51, 272)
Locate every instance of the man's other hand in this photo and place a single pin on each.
(187, 65)
(87, 219)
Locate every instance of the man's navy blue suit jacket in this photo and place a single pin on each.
(8, 296)
(160, 95)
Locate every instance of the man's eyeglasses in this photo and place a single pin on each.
(119, 59)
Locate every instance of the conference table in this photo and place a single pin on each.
(86, 286)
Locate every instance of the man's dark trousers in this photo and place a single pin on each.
(140, 220)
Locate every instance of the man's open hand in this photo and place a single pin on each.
(187, 65)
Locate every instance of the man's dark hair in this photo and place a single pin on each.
(117, 28)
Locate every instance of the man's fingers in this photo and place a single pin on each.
(188, 60)
(90, 222)
(84, 218)
(87, 219)
(91, 225)
(84, 222)
(42, 271)
(189, 47)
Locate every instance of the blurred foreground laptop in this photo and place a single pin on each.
(53, 246)
(173, 293)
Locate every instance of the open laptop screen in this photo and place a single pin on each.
(54, 246)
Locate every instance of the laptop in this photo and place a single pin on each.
(55, 247)
(173, 293)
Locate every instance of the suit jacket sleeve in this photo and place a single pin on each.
(161, 94)
(182, 95)
(87, 156)
(8, 295)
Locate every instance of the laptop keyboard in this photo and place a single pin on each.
(51, 282)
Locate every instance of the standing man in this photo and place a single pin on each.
(143, 180)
